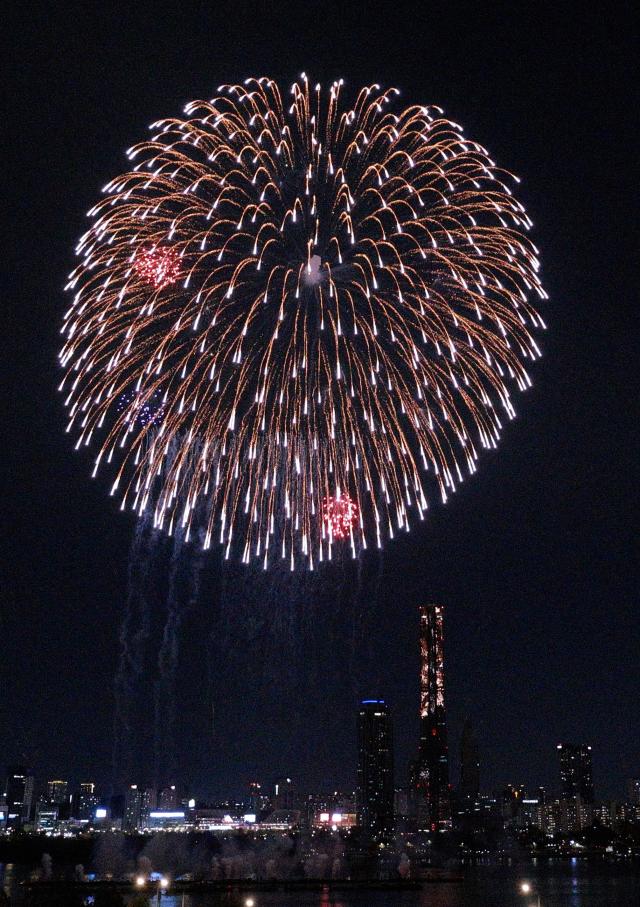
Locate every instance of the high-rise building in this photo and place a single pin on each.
(513, 796)
(469, 763)
(29, 798)
(132, 807)
(284, 794)
(57, 791)
(19, 796)
(168, 797)
(148, 804)
(531, 813)
(47, 815)
(85, 801)
(576, 773)
(432, 766)
(634, 791)
(374, 799)
(254, 801)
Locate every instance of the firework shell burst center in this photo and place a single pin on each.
(326, 306)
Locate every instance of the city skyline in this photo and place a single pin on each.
(429, 753)
(382, 805)
(377, 807)
(433, 794)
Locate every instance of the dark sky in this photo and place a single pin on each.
(532, 559)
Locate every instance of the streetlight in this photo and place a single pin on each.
(249, 902)
(525, 888)
(163, 884)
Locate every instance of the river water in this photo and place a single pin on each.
(557, 883)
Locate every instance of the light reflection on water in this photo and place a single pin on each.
(559, 884)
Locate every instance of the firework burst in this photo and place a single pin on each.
(325, 296)
(340, 515)
(159, 266)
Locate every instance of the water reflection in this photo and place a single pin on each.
(559, 884)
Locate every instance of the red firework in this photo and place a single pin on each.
(159, 266)
(339, 514)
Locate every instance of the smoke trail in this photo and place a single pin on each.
(361, 605)
(276, 637)
(134, 631)
(181, 597)
(164, 692)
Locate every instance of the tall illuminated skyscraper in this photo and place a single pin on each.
(576, 773)
(57, 791)
(375, 770)
(85, 801)
(18, 795)
(432, 777)
(132, 807)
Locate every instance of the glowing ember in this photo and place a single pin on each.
(158, 266)
(339, 514)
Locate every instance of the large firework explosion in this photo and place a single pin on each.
(330, 302)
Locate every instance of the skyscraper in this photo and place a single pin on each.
(19, 795)
(469, 763)
(132, 807)
(57, 791)
(432, 776)
(375, 769)
(148, 803)
(168, 797)
(85, 801)
(284, 794)
(576, 773)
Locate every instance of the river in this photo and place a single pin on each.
(557, 883)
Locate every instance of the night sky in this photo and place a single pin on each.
(533, 558)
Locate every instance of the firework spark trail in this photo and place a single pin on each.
(331, 300)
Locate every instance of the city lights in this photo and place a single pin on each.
(385, 816)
